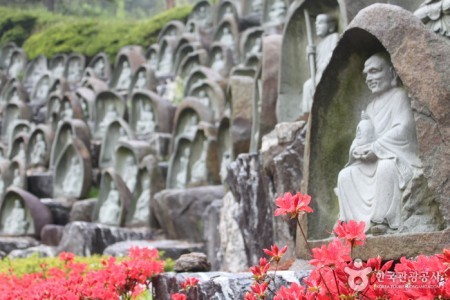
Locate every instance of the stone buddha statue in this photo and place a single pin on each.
(326, 27)
(146, 122)
(191, 125)
(257, 47)
(226, 160)
(110, 115)
(75, 71)
(73, 177)
(85, 109)
(21, 155)
(218, 63)
(198, 171)
(141, 81)
(435, 14)
(227, 38)
(130, 173)
(203, 98)
(58, 70)
(67, 112)
(37, 155)
(99, 68)
(15, 222)
(15, 66)
(125, 76)
(17, 180)
(109, 213)
(142, 212)
(382, 158)
(277, 12)
(42, 91)
(183, 165)
(165, 65)
(14, 98)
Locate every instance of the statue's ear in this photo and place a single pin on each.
(395, 79)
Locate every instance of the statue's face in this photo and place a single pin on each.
(322, 26)
(379, 74)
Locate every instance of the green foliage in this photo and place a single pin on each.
(93, 192)
(90, 36)
(35, 264)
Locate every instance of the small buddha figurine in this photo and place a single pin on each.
(181, 177)
(16, 223)
(141, 81)
(218, 63)
(17, 181)
(99, 68)
(109, 213)
(227, 38)
(198, 172)
(38, 153)
(73, 177)
(110, 115)
(146, 122)
(203, 98)
(130, 173)
(125, 76)
(142, 212)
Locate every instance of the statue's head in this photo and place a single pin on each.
(17, 203)
(325, 24)
(380, 73)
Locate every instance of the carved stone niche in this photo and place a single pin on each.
(12, 113)
(190, 61)
(220, 59)
(187, 43)
(5, 177)
(150, 113)
(20, 127)
(295, 67)
(241, 87)
(274, 15)
(18, 147)
(114, 200)
(71, 107)
(172, 29)
(127, 62)
(266, 91)
(251, 42)
(73, 71)
(421, 60)
(53, 110)
(203, 161)
(165, 56)
(41, 89)
(86, 98)
(72, 176)
(127, 159)
(211, 95)
(66, 133)
(198, 75)
(143, 79)
(202, 15)
(13, 92)
(59, 86)
(17, 62)
(116, 131)
(101, 67)
(94, 84)
(224, 148)
(226, 8)
(150, 181)
(187, 117)
(23, 214)
(39, 146)
(151, 56)
(17, 176)
(35, 69)
(227, 33)
(108, 107)
(177, 177)
(5, 55)
(57, 65)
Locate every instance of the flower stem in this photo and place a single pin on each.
(335, 280)
(304, 237)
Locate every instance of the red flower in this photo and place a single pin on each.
(332, 255)
(259, 289)
(190, 282)
(249, 296)
(178, 296)
(66, 256)
(293, 205)
(445, 257)
(260, 272)
(275, 253)
(294, 292)
(352, 232)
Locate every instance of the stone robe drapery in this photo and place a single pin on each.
(372, 191)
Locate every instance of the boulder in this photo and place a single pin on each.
(192, 262)
(172, 249)
(51, 234)
(218, 285)
(8, 244)
(82, 210)
(41, 251)
(179, 212)
(83, 238)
